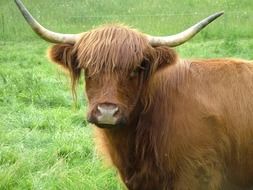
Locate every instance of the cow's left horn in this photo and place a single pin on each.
(43, 32)
(180, 38)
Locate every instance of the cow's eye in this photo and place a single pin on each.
(86, 74)
(134, 73)
(87, 77)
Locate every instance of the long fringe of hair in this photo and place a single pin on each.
(111, 48)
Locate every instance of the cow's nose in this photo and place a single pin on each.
(106, 113)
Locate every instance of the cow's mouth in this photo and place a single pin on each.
(121, 122)
(109, 126)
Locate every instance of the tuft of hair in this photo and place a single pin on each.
(65, 56)
(111, 48)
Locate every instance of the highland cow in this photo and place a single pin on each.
(164, 122)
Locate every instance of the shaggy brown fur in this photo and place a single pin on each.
(189, 123)
(111, 48)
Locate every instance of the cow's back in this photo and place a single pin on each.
(206, 109)
(224, 90)
(220, 101)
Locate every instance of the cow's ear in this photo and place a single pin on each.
(65, 55)
(164, 56)
(158, 58)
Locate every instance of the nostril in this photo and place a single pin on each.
(91, 118)
(115, 111)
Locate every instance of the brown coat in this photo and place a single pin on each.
(189, 123)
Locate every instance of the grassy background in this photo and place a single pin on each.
(45, 142)
(154, 17)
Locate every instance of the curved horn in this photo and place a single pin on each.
(43, 32)
(180, 38)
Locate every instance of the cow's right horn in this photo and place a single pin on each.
(43, 32)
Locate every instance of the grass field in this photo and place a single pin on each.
(45, 141)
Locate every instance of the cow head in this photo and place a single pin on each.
(117, 63)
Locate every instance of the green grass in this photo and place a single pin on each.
(154, 17)
(45, 141)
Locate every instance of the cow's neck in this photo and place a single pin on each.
(129, 152)
(120, 144)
